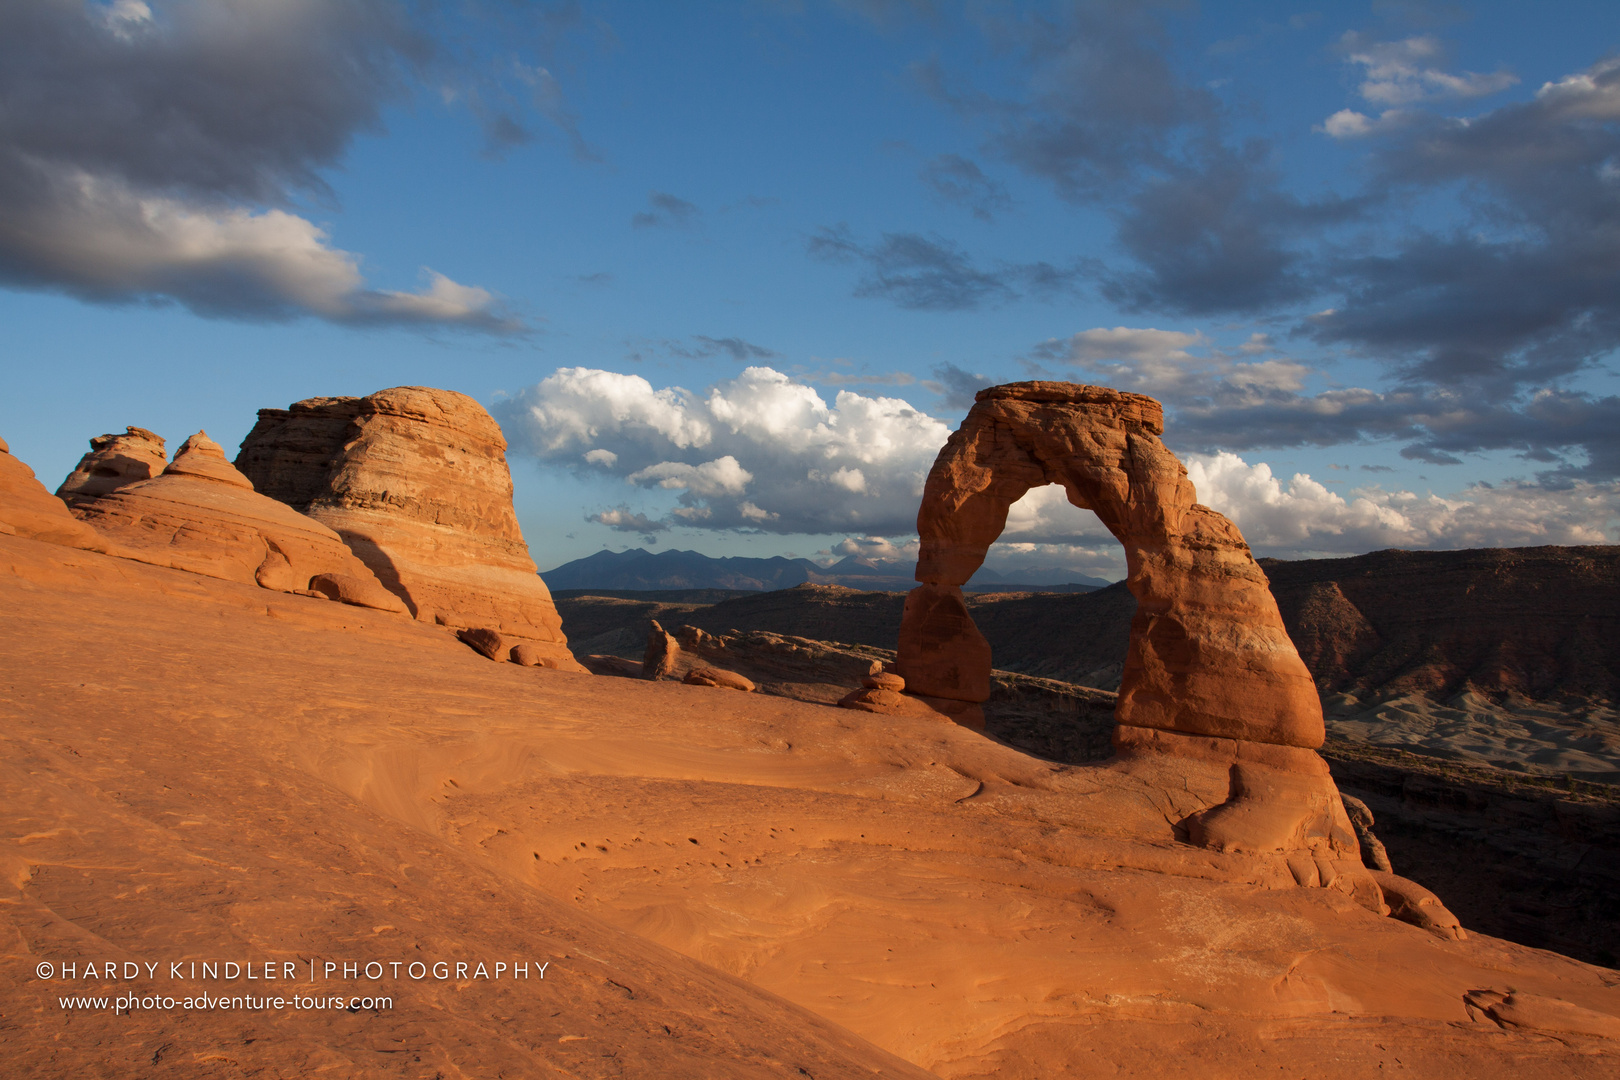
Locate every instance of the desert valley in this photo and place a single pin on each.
(307, 773)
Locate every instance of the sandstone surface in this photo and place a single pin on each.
(415, 480)
(1488, 802)
(202, 516)
(222, 792)
(115, 461)
(27, 509)
(195, 802)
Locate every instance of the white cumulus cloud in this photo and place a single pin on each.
(1304, 518)
(722, 476)
(761, 451)
(765, 452)
(1350, 124)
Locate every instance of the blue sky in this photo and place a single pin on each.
(728, 273)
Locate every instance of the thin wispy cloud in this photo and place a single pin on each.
(960, 181)
(664, 211)
(932, 273)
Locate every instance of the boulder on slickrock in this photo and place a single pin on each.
(607, 664)
(1412, 903)
(28, 510)
(415, 480)
(663, 653)
(884, 680)
(361, 591)
(889, 702)
(484, 641)
(202, 516)
(527, 654)
(1373, 852)
(711, 676)
(114, 461)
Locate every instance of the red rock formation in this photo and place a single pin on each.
(415, 481)
(114, 461)
(1210, 675)
(1410, 902)
(28, 510)
(202, 516)
(527, 654)
(1208, 653)
(662, 655)
(941, 652)
(720, 677)
(1542, 622)
(485, 642)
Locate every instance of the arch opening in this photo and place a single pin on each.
(1046, 537)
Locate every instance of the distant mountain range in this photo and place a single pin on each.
(639, 569)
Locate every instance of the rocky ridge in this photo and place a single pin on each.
(114, 461)
(28, 510)
(201, 515)
(415, 480)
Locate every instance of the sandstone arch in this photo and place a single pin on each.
(1208, 653)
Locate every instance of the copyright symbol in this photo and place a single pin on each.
(45, 970)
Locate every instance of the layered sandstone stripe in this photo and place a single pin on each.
(415, 480)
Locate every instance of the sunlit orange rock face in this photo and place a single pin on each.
(1209, 674)
(415, 480)
(1208, 653)
(200, 515)
(28, 510)
(114, 461)
(190, 772)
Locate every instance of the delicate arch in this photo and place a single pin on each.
(1208, 652)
